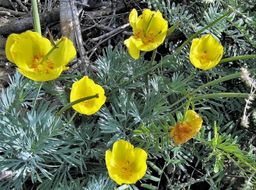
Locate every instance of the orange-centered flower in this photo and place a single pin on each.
(86, 87)
(126, 164)
(149, 31)
(205, 52)
(35, 56)
(186, 129)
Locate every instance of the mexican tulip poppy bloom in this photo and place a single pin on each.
(188, 128)
(205, 52)
(35, 56)
(86, 87)
(126, 164)
(149, 31)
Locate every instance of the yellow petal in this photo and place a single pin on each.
(133, 18)
(193, 119)
(195, 61)
(120, 150)
(17, 53)
(149, 46)
(206, 52)
(63, 53)
(83, 88)
(140, 162)
(35, 44)
(158, 24)
(132, 49)
(149, 31)
(124, 168)
(9, 46)
(41, 76)
(145, 19)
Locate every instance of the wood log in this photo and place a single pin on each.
(26, 23)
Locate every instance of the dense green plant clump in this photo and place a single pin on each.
(43, 146)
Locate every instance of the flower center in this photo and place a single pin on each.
(40, 65)
(125, 169)
(204, 58)
(149, 37)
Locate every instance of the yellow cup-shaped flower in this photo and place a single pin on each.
(126, 164)
(205, 52)
(35, 56)
(149, 31)
(188, 128)
(86, 87)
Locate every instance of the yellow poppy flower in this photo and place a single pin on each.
(35, 56)
(86, 87)
(188, 128)
(126, 164)
(205, 52)
(149, 31)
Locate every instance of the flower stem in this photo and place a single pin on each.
(66, 107)
(51, 50)
(219, 80)
(153, 56)
(240, 57)
(201, 30)
(222, 95)
(172, 28)
(36, 18)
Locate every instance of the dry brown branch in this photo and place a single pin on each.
(22, 24)
(11, 12)
(6, 3)
(23, 7)
(111, 33)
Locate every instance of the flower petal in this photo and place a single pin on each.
(120, 150)
(206, 52)
(187, 129)
(149, 46)
(193, 119)
(139, 164)
(182, 133)
(144, 20)
(40, 76)
(64, 52)
(133, 18)
(126, 164)
(9, 46)
(132, 49)
(35, 44)
(158, 24)
(83, 88)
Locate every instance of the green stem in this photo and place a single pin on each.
(51, 50)
(36, 18)
(240, 57)
(219, 80)
(221, 95)
(66, 107)
(153, 56)
(203, 29)
(172, 28)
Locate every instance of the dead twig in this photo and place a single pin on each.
(11, 12)
(22, 24)
(111, 33)
(23, 7)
